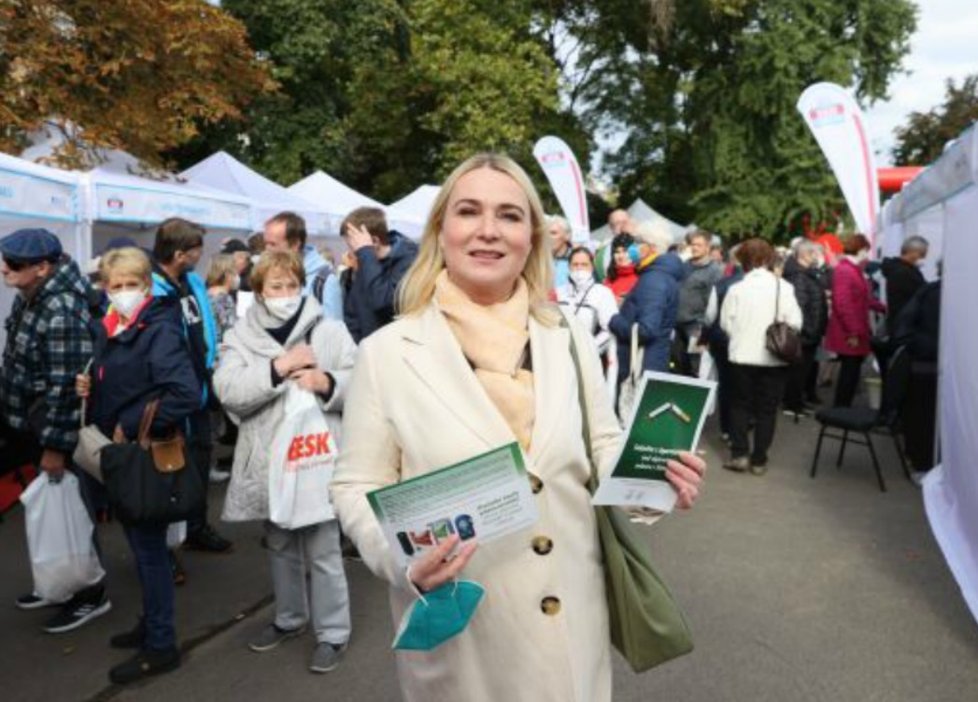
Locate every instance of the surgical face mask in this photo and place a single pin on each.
(634, 255)
(581, 278)
(438, 616)
(283, 307)
(126, 301)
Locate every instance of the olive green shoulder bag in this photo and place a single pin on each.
(647, 626)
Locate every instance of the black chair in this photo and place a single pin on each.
(863, 420)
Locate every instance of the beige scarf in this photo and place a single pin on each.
(495, 340)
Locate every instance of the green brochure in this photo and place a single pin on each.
(667, 418)
(481, 499)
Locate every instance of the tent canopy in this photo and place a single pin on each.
(223, 172)
(640, 211)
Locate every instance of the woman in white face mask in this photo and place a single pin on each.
(282, 341)
(140, 354)
(592, 303)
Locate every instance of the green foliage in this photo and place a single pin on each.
(714, 136)
(922, 139)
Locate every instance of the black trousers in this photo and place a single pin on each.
(794, 389)
(920, 415)
(757, 393)
(721, 357)
(201, 445)
(850, 368)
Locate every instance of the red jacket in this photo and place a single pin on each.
(851, 303)
(623, 284)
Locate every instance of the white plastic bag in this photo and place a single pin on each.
(176, 534)
(628, 392)
(59, 538)
(301, 463)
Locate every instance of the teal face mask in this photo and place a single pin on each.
(634, 254)
(438, 616)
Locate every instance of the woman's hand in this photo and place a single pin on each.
(313, 380)
(83, 386)
(299, 356)
(432, 570)
(686, 475)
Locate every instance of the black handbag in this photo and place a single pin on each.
(782, 340)
(151, 481)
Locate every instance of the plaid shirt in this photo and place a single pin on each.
(48, 344)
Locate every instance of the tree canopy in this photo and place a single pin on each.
(922, 139)
(140, 74)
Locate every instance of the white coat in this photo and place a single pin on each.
(415, 405)
(243, 383)
(748, 310)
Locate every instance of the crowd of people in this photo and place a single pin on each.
(421, 355)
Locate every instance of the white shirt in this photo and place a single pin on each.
(748, 310)
(594, 305)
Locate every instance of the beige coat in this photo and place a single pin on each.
(415, 405)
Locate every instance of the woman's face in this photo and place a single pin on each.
(621, 256)
(280, 283)
(119, 282)
(487, 235)
(581, 262)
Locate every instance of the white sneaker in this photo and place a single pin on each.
(219, 476)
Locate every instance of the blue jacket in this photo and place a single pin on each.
(369, 302)
(149, 360)
(203, 353)
(331, 299)
(652, 304)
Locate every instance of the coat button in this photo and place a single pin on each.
(536, 485)
(542, 545)
(550, 606)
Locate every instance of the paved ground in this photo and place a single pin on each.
(796, 589)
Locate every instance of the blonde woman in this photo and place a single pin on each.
(222, 281)
(476, 361)
(140, 354)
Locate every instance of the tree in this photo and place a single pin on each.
(707, 100)
(922, 139)
(138, 74)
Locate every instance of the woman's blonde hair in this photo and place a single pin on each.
(418, 287)
(287, 261)
(222, 266)
(128, 260)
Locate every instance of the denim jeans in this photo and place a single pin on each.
(148, 543)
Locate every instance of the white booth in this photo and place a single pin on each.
(32, 195)
(941, 204)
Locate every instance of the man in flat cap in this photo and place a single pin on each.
(48, 344)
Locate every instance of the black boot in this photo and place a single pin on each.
(130, 639)
(145, 663)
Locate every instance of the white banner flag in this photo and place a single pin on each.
(563, 172)
(840, 130)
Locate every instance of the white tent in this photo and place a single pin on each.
(32, 195)
(415, 207)
(640, 211)
(941, 204)
(223, 172)
(122, 197)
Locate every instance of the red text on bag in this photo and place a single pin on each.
(308, 445)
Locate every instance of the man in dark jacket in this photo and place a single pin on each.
(48, 343)
(652, 303)
(383, 258)
(176, 251)
(719, 343)
(801, 270)
(903, 277)
(701, 273)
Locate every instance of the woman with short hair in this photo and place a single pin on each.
(757, 375)
(284, 340)
(478, 360)
(849, 332)
(141, 354)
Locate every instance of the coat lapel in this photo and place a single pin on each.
(431, 351)
(553, 382)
